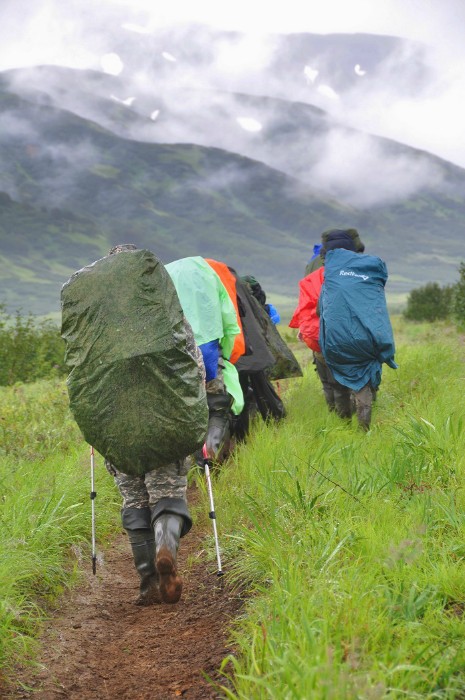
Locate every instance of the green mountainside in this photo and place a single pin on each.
(75, 179)
(82, 189)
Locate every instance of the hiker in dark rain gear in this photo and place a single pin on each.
(260, 296)
(267, 357)
(146, 376)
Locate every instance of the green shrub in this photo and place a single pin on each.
(458, 303)
(29, 349)
(429, 303)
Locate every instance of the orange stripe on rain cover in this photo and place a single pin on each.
(229, 282)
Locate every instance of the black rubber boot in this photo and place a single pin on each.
(170, 521)
(168, 528)
(363, 404)
(342, 401)
(327, 380)
(136, 522)
(219, 431)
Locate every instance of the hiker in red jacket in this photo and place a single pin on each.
(306, 318)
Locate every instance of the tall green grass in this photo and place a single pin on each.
(45, 521)
(351, 545)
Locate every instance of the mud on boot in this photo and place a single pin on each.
(167, 528)
(149, 589)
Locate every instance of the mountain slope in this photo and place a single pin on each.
(176, 200)
(156, 157)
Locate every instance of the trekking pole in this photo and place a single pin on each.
(93, 495)
(212, 514)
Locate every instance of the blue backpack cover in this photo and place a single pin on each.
(355, 329)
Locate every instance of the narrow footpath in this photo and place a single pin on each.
(100, 645)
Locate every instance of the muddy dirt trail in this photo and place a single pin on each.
(100, 645)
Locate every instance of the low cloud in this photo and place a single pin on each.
(357, 171)
(178, 86)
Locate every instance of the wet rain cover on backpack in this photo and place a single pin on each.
(285, 364)
(135, 388)
(355, 330)
(205, 301)
(266, 349)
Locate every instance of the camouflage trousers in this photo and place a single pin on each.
(169, 481)
(216, 385)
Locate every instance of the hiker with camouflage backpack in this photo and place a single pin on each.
(137, 392)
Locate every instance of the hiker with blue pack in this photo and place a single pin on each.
(306, 318)
(356, 336)
(137, 391)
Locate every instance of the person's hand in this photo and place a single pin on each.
(208, 451)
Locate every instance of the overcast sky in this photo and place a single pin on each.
(433, 21)
(59, 32)
(429, 20)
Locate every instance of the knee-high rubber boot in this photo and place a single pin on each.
(167, 530)
(363, 404)
(218, 433)
(326, 378)
(136, 522)
(342, 400)
(171, 521)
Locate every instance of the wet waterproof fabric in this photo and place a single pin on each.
(208, 308)
(229, 281)
(257, 356)
(285, 364)
(233, 387)
(273, 313)
(305, 316)
(355, 330)
(135, 388)
(205, 302)
(211, 354)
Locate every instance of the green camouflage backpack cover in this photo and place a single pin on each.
(135, 387)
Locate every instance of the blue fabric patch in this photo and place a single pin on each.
(273, 313)
(210, 352)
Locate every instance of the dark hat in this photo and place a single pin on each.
(339, 239)
(352, 232)
(122, 248)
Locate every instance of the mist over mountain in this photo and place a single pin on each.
(175, 146)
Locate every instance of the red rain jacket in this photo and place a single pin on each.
(305, 317)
